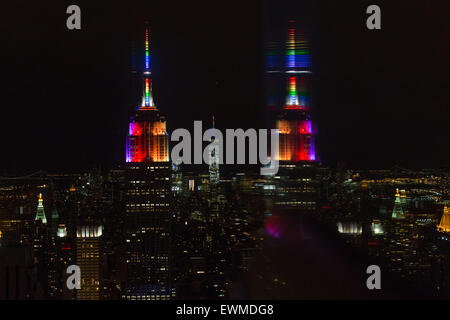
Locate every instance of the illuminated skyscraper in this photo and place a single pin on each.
(88, 259)
(288, 87)
(444, 224)
(147, 194)
(214, 162)
(40, 213)
(397, 212)
(147, 137)
(295, 126)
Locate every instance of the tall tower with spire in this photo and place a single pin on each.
(444, 224)
(147, 197)
(296, 129)
(397, 212)
(289, 104)
(214, 160)
(147, 138)
(40, 213)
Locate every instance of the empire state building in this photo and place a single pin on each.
(289, 103)
(147, 198)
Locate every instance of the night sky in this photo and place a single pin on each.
(381, 96)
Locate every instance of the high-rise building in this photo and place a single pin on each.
(444, 224)
(294, 121)
(40, 213)
(88, 259)
(397, 212)
(296, 185)
(147, 137)
(214, 161)
(147, 194)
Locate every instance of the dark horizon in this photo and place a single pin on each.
(67, 95)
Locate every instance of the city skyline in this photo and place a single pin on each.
(207, 84)
(100, 199)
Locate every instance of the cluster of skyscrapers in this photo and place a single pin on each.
(153, 230)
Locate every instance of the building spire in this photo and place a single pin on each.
(297, 51)
(214, 158)
(291, 47)
(40, 213)
(444, 224)
(292, 99)
(397, 212)
(147, 97)
(297, 62)
(147, 52)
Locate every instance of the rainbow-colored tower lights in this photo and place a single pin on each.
(147, 138)
(297, 141)
(297, 52)
(298, 63)
(292, 97)
(147, 98)
(147, 54)
(297, 93)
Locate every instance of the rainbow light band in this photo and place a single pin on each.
(293, 100)
(147, 55)
(147, 92)
(298, 61)
(147, 100)
(297, 53)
